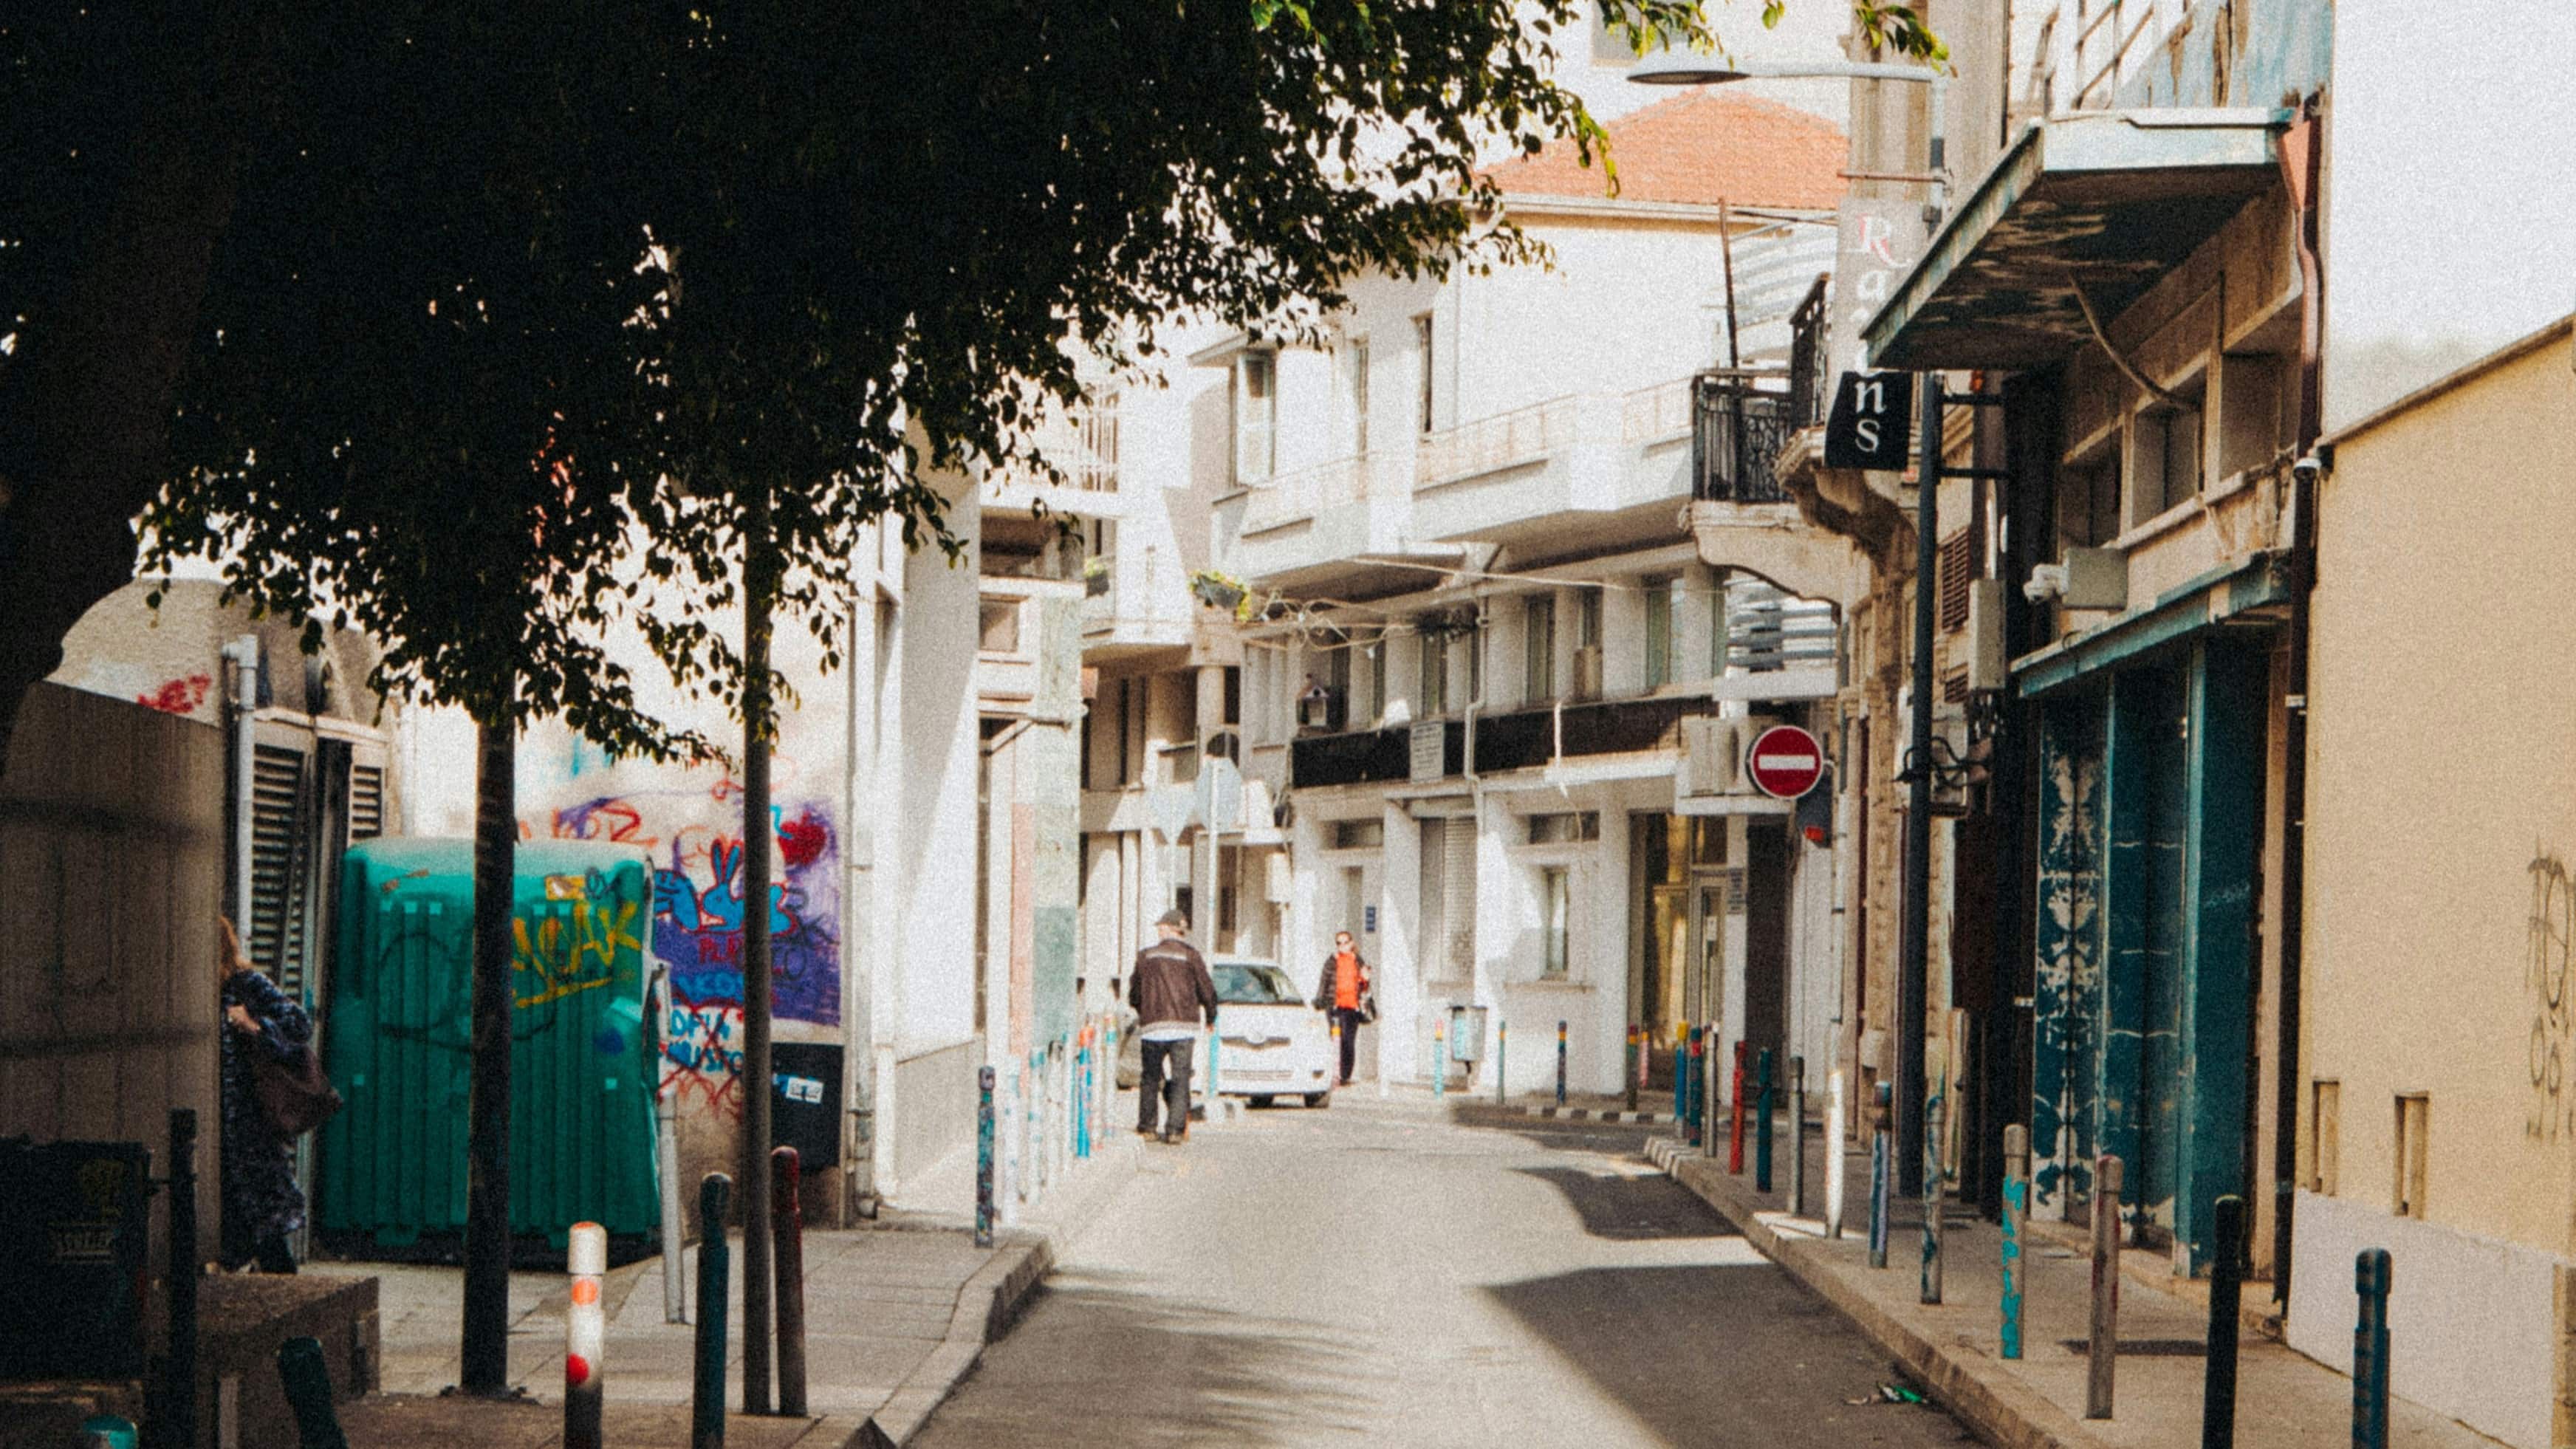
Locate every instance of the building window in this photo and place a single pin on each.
(1556, 908)
(1659, 630)
(1475, 640)
(1375, 652)
(1538, 649)
(1587, 619)
(2164, 455)
(2325, 1137)
(2414, 1121)
(1256, 417)
(1368, 834)
(1233, 694)
(1433, 656)
(1422, 352)
(1358, 391)
(2088, 502)
(1565, 827)
(999, 626)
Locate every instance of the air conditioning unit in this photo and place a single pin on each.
(1712, 756)
(1985, 640)
(1587, 672)
(1281, 881)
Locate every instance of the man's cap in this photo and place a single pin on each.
(1173, 918)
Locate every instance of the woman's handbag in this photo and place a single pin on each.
(1368, 1007)
(293, 1094)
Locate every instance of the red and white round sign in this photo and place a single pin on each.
(1785, 762)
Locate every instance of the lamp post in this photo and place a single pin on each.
(1675, 69)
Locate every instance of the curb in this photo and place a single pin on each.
(987, 1306)
(2000, 1412)
(1590, 1116)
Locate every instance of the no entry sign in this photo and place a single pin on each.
(1785, 762)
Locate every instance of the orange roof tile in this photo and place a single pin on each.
(1702, 146)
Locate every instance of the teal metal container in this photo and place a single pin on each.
(398, 1041)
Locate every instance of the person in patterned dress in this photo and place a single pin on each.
(262, 1204)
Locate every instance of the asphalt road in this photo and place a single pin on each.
(1373, 1273)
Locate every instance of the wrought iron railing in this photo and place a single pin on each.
(1742, 430)
(1810, 383)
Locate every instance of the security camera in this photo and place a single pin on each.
(2309, 469)
(2047, 581)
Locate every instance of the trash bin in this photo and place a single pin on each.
(1467, 1034)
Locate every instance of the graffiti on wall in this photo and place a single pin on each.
(2553, 924)
(693, 835)
(2068, 971)
(178, 696)
(574, 945)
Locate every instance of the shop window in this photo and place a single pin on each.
(1565, 828)
(1556, 907)
(2414, 1122)
(2325, 1137)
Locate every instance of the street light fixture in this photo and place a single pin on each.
(1679, 68)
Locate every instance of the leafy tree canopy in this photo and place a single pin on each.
(472, 324)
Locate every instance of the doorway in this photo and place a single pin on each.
(1678, 907)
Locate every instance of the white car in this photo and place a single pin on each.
(1271, 1044)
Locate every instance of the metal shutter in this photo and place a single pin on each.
(281, 863)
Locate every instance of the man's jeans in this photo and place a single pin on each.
(1166, 1083)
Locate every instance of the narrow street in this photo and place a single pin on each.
(1374, 1273)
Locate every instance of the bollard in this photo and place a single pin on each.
(1502, 1056)
(1709, 1098)
(1933, 1192)
(107, 1431)
(307, 1381)
(1834, 1153)
(1878, 1122)
(585, 1332)
(2370, 1273)
(984, 1158)
(707, 1397)
(1798, 1136)
(1685, 1101)
(1762, 1127)
(179, 1384)
(1439, 1059)
(2226, 1288)
(1215, 1077)
(2016, 1212)
(1632, 1067)
(1735, 1114)
(1560, 1061)
(787, 1236)
(2105, 1345)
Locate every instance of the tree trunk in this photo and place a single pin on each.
(760, 587)
(486, 1329)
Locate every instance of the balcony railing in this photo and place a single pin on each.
(1081, 442)
(1289, 497)
(1742, 430)
(1505, 440)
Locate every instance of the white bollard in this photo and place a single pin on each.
(1834, 1153)
(585, 1334)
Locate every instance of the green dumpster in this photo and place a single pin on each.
(398, 1042)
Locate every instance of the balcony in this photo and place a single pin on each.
(1305, 529)
(1585, 470)
(1525, 739)
(1761, 505)
(1082, 444)
(1135, 604)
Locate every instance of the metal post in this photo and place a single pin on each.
(1082, 1090)
(1215, 1078)
(2226, 1288)
(1834, 1122)
(1934, 1180)
(1439, 1058)
(2105, 1345)
(307, 1381)
(759, 1091)
(2370, 1271)
(1633, 1072)
(1502, 1058)
(707, 1395)
(1878, 1146)
(2016, 1210)
(179, 1385)
(1560, 1061)
(787, 1235)
(1735, 1116)
(1685, 1046)
(984, 1157)
(483, 1330)
(1762, 1127)
(1798, 1136)
(585, 1335)
(1917, 918)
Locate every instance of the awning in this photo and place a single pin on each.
(2106, 200)
(2240, 594)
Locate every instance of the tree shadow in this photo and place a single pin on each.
(1620, 1205)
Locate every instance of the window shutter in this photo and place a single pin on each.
(1458, 892)
(281, 863)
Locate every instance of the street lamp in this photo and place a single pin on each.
(1675, 68)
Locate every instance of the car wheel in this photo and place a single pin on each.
(1319, 1099)
(1260, 1101)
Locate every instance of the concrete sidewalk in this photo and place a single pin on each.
(896, 1314)
(2284, 1399)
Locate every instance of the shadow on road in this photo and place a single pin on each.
(1095, 1363)
(1616, 1205)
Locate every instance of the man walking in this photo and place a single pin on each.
(1171, 991)
(1343, 994)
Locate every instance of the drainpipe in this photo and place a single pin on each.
(242, 655)
(2299, 170)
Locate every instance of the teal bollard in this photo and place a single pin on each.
(1439, 1060)
(1878, 1123)
(2016, 1212)
(707, 1394)
(307, 1380)
(1502, 1057)
(106, 1431)
(1762, 1123)
(984, 1157)
(2370, 1271)
(1560, 1061)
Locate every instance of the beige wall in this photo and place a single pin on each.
(2442, 789)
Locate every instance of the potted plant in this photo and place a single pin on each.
(1095, 575)
(1217, 590)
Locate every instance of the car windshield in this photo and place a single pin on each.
(1251, 983)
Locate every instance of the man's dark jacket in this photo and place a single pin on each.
(1170, 986)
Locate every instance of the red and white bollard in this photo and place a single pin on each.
(585, 1330)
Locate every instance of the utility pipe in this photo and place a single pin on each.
(242, 660)
(666, 1166)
